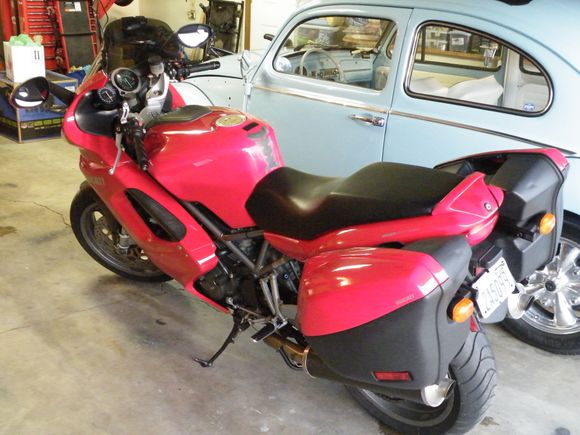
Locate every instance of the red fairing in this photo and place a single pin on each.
(185, 260)
(344, 289)
(102, 148)
(200, 161)
(470, 209)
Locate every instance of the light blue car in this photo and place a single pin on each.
(348, 83)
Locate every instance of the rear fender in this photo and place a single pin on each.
(368, 310)
(532, 182)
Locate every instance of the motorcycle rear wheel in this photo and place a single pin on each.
(98, 232)
(474, 372)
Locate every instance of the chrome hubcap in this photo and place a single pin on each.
(556, 292)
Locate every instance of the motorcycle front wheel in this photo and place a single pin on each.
(474, 372)
(99, 233)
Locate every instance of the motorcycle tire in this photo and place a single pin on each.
(474, 372)
(97, 231)
(538, 326)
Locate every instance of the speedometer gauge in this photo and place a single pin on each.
(125, 80)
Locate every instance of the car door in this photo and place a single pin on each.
(326, 97)
(489, 92)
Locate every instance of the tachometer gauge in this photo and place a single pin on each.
(125, 80)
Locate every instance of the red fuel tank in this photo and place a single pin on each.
(212, 156)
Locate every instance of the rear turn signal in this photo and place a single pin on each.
(393, 376)
(463, 310)
(547, 224)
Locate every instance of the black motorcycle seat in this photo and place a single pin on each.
(183, 114)
(304, 206)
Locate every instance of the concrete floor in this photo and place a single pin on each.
(85, 352)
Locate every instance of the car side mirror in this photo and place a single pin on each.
(31, 93)
(270, 37)
(194, 35)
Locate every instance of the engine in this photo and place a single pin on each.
(233, 283)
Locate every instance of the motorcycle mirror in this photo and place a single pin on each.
(31, 93)
(194, 35)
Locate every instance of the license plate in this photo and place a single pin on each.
(493, 287)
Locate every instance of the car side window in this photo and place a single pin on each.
(468, 67)
(343, 49)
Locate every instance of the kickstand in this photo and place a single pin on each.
(240, 325)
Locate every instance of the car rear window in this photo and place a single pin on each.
(464, 66)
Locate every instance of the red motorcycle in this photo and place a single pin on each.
(378, 281)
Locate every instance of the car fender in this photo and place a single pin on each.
(571, 197)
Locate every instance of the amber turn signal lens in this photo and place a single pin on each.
(463, 310)
(547, 224)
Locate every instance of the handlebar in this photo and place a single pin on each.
(200, 67)
(182, 71)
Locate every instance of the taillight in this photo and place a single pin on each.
(393, 376)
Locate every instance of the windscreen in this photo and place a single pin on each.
(128, 42)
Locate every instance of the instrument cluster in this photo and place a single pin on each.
(126, 80)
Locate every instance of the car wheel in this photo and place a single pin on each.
(553, 321)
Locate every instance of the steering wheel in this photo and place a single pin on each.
(328, 55)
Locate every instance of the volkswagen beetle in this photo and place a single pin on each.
(348, 83)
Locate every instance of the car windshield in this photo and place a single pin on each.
(129, 41)
(343, 33)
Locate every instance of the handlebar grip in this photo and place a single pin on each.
(208, 66)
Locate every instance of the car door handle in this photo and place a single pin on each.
(375, 121)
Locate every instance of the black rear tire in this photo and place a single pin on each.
(474, 372)
(97, 231)
(537, 326)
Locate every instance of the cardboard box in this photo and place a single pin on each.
(23, 62)
(37, 123)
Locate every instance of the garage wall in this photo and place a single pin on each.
(174, 13)
(267, 15)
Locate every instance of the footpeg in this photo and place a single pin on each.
(263, 333)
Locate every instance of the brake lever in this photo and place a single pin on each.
(123, 116)
(118, 144)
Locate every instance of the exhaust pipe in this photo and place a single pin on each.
(312, 364)
(519, 302)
